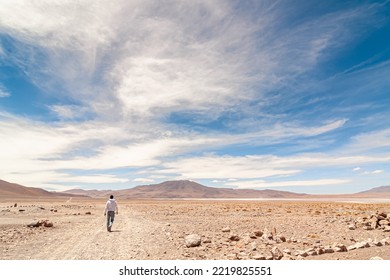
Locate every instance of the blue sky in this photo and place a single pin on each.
(286, 95)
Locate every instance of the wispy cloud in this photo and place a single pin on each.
(255, 184)
(3, 91)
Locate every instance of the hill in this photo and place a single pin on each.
(11, 190)
(378, 190)
(187, 189)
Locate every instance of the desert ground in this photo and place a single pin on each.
(194, 230)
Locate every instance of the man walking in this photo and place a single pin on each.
(110, 210)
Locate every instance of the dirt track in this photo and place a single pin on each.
(156, 230)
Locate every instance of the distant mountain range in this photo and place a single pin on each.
(175, 190)
(186, 189)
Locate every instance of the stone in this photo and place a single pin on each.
(351, 227)
(207, 241)
(226, 229)
(21, 210)
(47, 224)
(340, 248)
(15, 205)
(276, 253)
(242, 256)
(192, 240)
(287, 251)
(258, 257)
(376, 258)
(386, 229)
(311, 252)
(34, 224)
(384, 222)
(361, 245)
(234, 238)
(258, 233)
(232, 256)
(351, 247)
(300, 253)
(88, 213)
(329, 250)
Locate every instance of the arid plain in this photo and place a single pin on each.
(194, 229)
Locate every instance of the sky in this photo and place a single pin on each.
(283, 95)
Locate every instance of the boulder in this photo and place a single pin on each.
(192, 240)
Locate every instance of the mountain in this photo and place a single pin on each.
(378, 190)
(11, 190)
(187, 189)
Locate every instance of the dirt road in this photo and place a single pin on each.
(84, 237)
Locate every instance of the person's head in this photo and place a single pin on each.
(111, 196)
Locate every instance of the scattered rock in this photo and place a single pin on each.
(47, 224)
(234, 238)
(226, 229)
(351, 227)
(276, 253)
(258, 233)
(386, 229)
(259, 257)
(192, 240)
(88, 213)
(22, 210)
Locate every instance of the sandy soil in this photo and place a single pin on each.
(227, 229)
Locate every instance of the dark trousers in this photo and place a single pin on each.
(110, 219)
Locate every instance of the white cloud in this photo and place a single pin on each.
(356, 169)
(143, 180)
(66, 112)
(263, 184)
(377, 171)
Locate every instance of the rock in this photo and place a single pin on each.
(232, 256)
(269, 257)
(234, 238)
(377, 243)
(351, 247)
(340, 248)
(226, 229)
(376, 258)
(259, 257)
(300, 253)
(207, 241)
(258, 233)
(328, 250)
(88, 213)
(386, 229)
(311, 252)
(47, 224)
(287, 251)
(242, 256)
(351, 227)
(15, 205)
(167, 224)
(276, 253)
(384, 222)
(21, 210)
(192, 240)
(34, 224)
